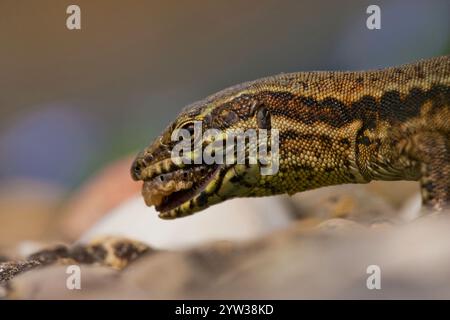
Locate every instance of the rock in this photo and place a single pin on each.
(340, 225)
(51, 283)
(396, 193)
(113, 252)
(352, 202)
(9, 270)
(292, 263)
(237, 220)
(318, 244)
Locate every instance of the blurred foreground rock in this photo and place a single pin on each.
(316, 244)
(235, 220)
(366, 204)
(327, 261)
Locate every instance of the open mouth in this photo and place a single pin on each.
(170, 190)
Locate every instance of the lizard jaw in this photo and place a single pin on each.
(174, 196)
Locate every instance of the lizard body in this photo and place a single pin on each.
(334, 128)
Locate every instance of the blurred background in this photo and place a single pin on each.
(77, 105)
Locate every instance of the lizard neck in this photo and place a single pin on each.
(353, 127)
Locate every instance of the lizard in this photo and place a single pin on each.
(335, 127)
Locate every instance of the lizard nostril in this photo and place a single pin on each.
(148, 158)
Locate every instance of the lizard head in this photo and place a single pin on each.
(186, 168)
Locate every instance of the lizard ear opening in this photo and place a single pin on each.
(263, 117)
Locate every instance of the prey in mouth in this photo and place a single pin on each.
(175, 190)
(179, 190)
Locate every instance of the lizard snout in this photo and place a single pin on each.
(141, 161)
(136, 169)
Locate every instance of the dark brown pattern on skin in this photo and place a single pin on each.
(391, 107)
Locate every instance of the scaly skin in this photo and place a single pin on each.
(335, 128)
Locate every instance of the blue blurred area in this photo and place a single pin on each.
(55, 142)
(411, 30)
(73, 101)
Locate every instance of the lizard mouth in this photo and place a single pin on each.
(175, 193)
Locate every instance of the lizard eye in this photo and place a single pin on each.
(189, 127)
